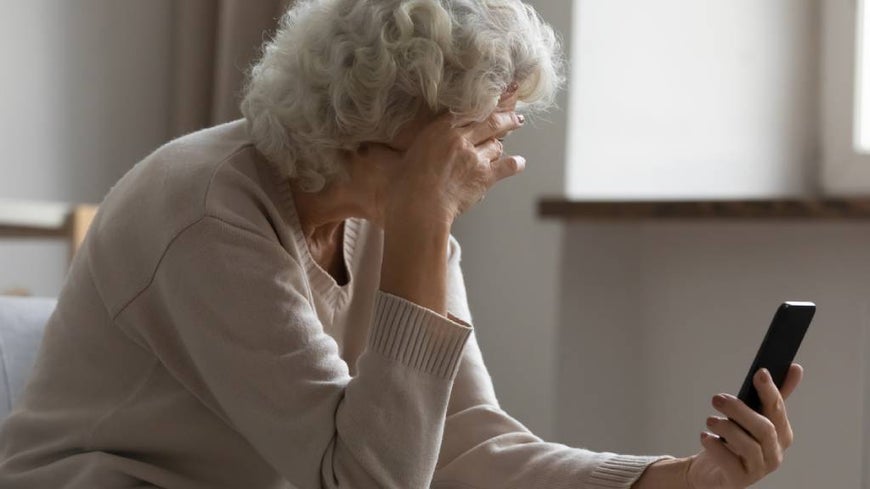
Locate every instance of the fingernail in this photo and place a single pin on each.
(521, 163)
(521, 118)
(719, 400)
(711, 421)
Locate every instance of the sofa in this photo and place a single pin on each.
(22, 321)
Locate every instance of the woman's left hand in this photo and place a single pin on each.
(755, 443)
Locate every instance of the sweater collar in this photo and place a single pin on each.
(320, 281)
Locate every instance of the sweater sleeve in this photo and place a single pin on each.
(485, 448)
(227, 314)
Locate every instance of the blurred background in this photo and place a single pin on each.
(727, 139)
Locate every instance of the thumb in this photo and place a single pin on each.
(507, 167)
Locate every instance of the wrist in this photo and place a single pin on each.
(411, 223)
(419, 209)
(668, 473)
(414, 264)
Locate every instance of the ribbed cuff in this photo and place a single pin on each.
(620, 471)
(416, 336)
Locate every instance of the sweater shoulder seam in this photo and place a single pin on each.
(156, 267)
(242, 147)
(204, 213)
(201, 219)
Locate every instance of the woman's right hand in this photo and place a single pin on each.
(444, 171)
(447, 169)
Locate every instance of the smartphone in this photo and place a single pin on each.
(779, 348)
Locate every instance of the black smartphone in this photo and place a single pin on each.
(779, 347)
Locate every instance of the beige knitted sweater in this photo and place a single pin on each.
(197, 344)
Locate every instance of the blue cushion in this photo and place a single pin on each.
(22, 321)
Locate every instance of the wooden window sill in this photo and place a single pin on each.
(760, 209)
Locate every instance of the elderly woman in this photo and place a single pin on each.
(277, 302)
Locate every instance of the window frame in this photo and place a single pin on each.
(862, 78)
(845, 170)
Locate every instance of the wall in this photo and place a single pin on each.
(681, 98)
(772, 116)
(88, 91)
(659, 317)
(714, 99)
(511, 262)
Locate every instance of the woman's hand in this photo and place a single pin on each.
(423, 185)
(447, 169)
(755, 444)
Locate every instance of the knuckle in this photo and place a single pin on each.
(760, 466)
(778, 405)
(777, 460)
(788, 438)
(758, 453)
(768, 432)
(463, 150)
(456, 142)
(754, 457)
(754, 471)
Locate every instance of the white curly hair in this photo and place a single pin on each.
(342, 72)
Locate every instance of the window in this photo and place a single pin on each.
(862, 109)
(862, 79)
(845, 100)
(719, 99)
(686, 99)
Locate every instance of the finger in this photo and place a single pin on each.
(495, 126)
(773, 406)
(510, 94)
(506, 167)
(743, 445)
(792, 380)
(490, 150)
(724, 458)
(757, 426)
